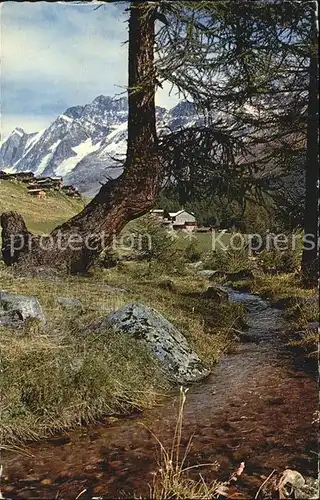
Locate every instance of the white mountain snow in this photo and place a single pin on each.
(84, 143)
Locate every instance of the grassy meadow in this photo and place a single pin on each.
(41, 216)
(204, 242)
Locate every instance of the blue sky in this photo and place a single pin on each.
(57, 55)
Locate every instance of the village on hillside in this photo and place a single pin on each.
(40, 186)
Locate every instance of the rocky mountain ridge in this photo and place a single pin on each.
(84, 144)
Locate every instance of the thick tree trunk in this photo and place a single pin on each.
(309, 263)
(75, 244)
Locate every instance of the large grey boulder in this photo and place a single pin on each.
(163, 339)
(9, 319)
(15, 307)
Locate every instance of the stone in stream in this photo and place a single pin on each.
(216, 293)
(164, 340)
(14, 307)
(291, 484)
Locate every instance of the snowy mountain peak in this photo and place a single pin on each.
(74, 112)
(111, 103)
(82, 143)
(103, 100)
(66, 118)
(19, 131)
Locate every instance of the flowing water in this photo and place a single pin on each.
(257, 406)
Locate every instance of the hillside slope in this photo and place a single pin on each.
(41, 216)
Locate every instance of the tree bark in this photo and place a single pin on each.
(120, 200)
(309, 264)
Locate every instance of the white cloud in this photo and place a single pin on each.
(73, 54)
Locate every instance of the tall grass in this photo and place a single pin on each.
(172, 478)
(68, 373)
(50, 383)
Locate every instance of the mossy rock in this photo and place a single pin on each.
(181, 364)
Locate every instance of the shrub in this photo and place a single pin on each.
(155, 246)
(283, 261)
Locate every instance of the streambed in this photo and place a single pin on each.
(257, 406)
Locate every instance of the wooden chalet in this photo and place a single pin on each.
(49, 183)
(38, 193)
